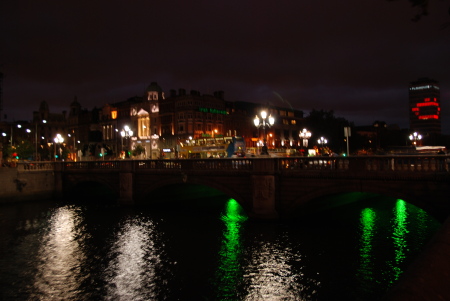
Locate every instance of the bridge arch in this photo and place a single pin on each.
(90, 187)
(308, 200)
(146, 191)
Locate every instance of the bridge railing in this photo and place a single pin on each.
(438, 163)
(418, 163)
(35, 165)
(314, 163)
(92, 165)
(197, 164)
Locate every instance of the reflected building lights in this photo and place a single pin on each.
(271, 274)
(132, 272)
(59, 275)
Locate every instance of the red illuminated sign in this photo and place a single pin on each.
(429, 117)
(430, 109)
(426, 104)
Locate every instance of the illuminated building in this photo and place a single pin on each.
(1, 95)
(193, 115)
(141, 116)
(145, 120)
(425, 106)
(283, 134)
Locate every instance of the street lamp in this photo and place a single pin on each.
(322, 141)
(58, 140)
(415, 137)
(263, 122)
(36, 138)
(305, 135)
(126, 133)
(19, 127)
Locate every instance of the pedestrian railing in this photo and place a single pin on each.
(438, 163)
(34, 166)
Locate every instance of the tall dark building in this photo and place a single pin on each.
(1, 96)
(425, 106)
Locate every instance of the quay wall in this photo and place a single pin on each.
(16, 186)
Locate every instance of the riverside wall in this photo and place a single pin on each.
(16, 186)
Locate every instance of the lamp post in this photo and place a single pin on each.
(19, 126)
(126, 133)
(36, 138)
(415, 138)
(322, 141)
(74, 156)
(35, 142)
(305, 135)
(263, 122)
(58, 140)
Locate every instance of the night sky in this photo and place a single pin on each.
(353, 57)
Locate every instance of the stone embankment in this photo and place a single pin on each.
(17, 186)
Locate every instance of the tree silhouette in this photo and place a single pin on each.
(422, 7)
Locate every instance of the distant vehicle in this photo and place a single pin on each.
(430, 149)
(221, 147)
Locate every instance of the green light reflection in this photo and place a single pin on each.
(399, 237)
(368, 218)
(229, 271)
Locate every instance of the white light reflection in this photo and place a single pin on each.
(132, 272)
(60, 257)
(275, 274)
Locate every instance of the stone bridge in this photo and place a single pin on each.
(271, 188)
(279, 187)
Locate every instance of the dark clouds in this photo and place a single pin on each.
(356, 59)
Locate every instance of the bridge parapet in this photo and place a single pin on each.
(196, 164)
(34, 165)
(416, 164)
(369, 163)
(92, 165)
(269, 184)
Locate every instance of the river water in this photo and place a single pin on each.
(206, 249)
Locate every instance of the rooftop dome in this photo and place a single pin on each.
(154, 87)
(75, 102)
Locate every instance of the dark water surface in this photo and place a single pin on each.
(206, 250)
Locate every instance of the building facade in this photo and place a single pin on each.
(425, 107)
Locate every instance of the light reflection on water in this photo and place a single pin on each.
(400, 221)
(368, 230)
(269, 271)
(134, 262)
(230, 255)
(71, 252)
(60, 257)
(274, 273)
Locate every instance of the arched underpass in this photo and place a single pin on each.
(187, 197)
(306, 205)
(91, 192)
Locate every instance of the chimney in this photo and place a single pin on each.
(219, 95)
